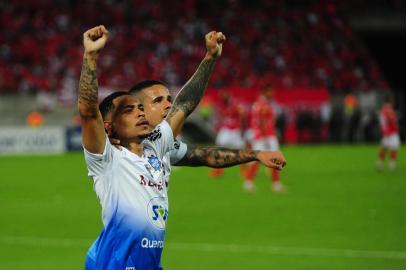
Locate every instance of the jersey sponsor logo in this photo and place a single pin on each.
(130, 268)
(149, 183)
(158, 212)
(155, 135)
(154, 162)
(147, 243)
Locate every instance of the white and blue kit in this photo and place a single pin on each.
(177, 153)
(132, 191)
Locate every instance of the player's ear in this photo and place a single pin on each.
(108, 127)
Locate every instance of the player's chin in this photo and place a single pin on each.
(144, 131)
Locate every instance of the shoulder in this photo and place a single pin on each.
(108, 150)
(162, 129)
(178, 152)
(161, 138)
(156, 134)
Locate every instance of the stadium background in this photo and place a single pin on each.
(338, 213)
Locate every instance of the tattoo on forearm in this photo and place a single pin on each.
(88, 85)
(216, 157)
(192, 92)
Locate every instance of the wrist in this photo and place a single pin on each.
(90, 59)
(90, 55)
(210, 57)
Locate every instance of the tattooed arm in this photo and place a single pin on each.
(192, 92)
(93, 133)
(218, 157)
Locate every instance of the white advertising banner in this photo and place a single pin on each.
(26, 140)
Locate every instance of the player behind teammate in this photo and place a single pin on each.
(130, 181)
(390, 141)
(262, 124)
(157, 102)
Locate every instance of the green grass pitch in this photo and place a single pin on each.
(338, 213)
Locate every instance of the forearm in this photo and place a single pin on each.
(193, 91)
(88, 87)
(216, 157)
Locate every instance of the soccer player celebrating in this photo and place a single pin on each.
(390, 141)
(130, 181)
(264, 137)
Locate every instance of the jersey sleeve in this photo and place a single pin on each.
(178, 151)
(162, 138)
(97, 163)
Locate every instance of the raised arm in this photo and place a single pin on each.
(192, 92)
(218, 157)
(93, 133)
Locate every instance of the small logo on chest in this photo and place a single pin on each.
(154, 162)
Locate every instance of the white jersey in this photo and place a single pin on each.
(173, 156)
(178, 151)
(132, 191)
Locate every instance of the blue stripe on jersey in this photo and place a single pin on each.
(122, 246)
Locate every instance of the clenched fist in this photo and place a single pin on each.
(272, 159)
(95, 39)
(214, 43)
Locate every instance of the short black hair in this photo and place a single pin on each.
(107, 105)
(144, 84)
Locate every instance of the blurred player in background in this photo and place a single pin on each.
(264, 135)
(230, 115)
(390, 141)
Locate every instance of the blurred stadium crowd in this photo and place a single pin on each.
(301, 46)
(283, 43)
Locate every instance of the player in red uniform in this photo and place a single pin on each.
(264, 135)
(230, 115)
(390, 141)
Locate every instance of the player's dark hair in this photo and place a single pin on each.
(107, 105)
(144, 84)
